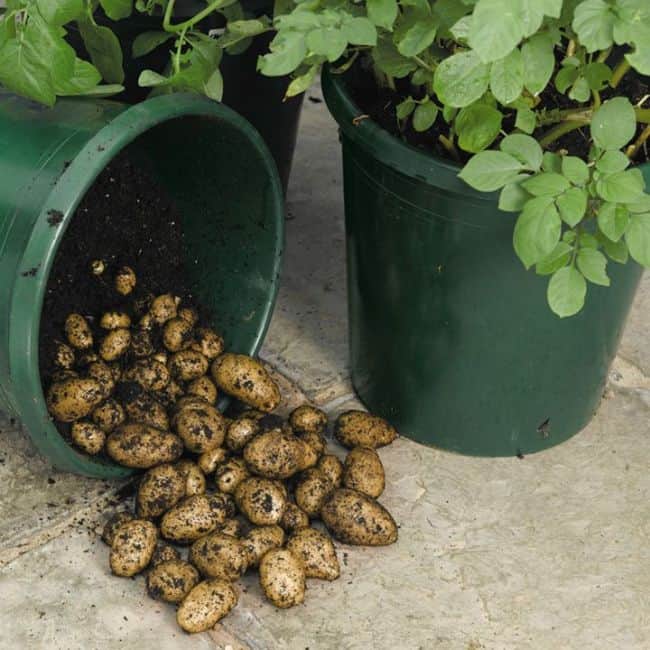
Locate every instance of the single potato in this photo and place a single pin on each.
(74, 398)
(363, 471)
(64, 356)
(113, 320)
(200, 429)
(240, 432)
(208, 343)
(261, 500)
(308, 419)
(189, 314)
(103, 373)
(164, 308)
(219, 556)
(203, 387)
(141, 446)
(115, 344)
(294, 518)
(206, 605)
(133, 545)
(276, 454)
(360, 429)
(88, 437)
(316, 551)
(177, 334)
(193, 477)
(161, 488)
(230, 474)
(282, 577)
(194, 517)
(233, 527)
(108, 415)
(163, 553)
(119, 518)
(142, 408)
(148, 373)
(78, 332)
(259, 541)
(188, 364)
(172, 580)
(209, 460)
(312, 490)
(332, 467)
(125, 281)
(141, 345)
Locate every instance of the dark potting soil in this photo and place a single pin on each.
(380, 105)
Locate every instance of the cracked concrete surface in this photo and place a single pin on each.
(548, 551)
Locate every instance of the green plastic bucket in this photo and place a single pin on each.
(213, 164)
(450, 339)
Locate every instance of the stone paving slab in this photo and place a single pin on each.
(635, 344)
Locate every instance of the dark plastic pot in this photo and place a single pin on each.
(451, 339)
(213, 164)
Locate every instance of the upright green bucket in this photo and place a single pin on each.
(450, 338)
(212, 163)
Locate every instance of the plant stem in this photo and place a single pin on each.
(571, 48)
(448, 144)
(190, 22)
(619, 72)
(604, 55)
(642, 115)
(423, 64)
(633, 149)
(177, 54)
(562, 129)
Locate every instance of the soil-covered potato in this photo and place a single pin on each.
(177, 334)
(293, 518)
(246, 379)
(219, 556)
(149, 373)
(240, 432)
(164, 308)
(172, 580)
(363, 471)
(78, 332)
(164, 553)
(64, 356)
(189, 314)
(142, 408)
(113, 320)
(230, 474)
(208, 343)
(88, 437)
(233, 527)
(203, 387)
(209, 460)
(316, 446)
(193, 477)
(115, 344)
(85, 358)
(261, 500)
(74, 398)
(169, 395)
(103, 373)
(258, 541)
(141, 345)
(355, 518)
(161, 488)
(312, 490)
(141, 446)
(206, 605)
(111, 526)
(361, 429)
(194, 517)
(316, 551)
(188, 364)
(276, 454)
(200, 429)
(308, 419)
(125, 281)
(133, 545)
(282, 577)
(332, 467)
(108, 415)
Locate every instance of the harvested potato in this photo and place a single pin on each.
(161, 488)
(104, 375)
(332, 467)
(312, 490)
(64, 356)
(119, 518)
(355, 518)
(194, 517)
(146, 323)
(189, 314)
(192, 402)
(364, 472)
(164, 308)
(73, 398)
(164, 553)
(360, 429)
(125, 281)
(78, 332)
(316, 551)
(316, 441)
(230, 474)
(116, 369)
(262, 501)
(232, 527)
(172, 580)
(113, 320)
(293, 518)
(259, 541)
(308, 419)
(62, 375)
(209, 460)
(88, 437)
(133, 545)
(149, 373)
(206, 605)
(276, 454)
(97, 267)
(187, 365)
(169, 395)
(141, 345)
(141, 446)
(177, 334)
(246, 379)
(142, 408)
(193, 477)
(203, 387)
(115, 344)
(108, 415)
(282, 577)
(219, 556)
(208, 343)
(200, 429)
(240, 432)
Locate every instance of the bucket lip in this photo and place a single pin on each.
(40, 250)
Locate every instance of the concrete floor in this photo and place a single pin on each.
(549, 551)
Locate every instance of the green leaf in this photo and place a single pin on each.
(239, 32)
(147, 42)
(213, 87)
(597, 75)
(405, 108)
(592, 264)
(637, 238)
(461, 79)
(526, 120)
(572, 205)
(104, 49)
(616, 251)
(614, 123)
(496, 29)
(556, 260)
(60, 12)
(103, 90)
(415, 31)
(23, 71)
(302, 82)
(587, 240)
(539, 62)
(524, 148)
(85, 77)
(580, 92)
(424, 116)
(507, 77)
(594, 23)
(566, 293)
(612, 162)
(149, 79)
(641, 204)
(117, 9)
(513, 197)
(575, 170)
(288, 49)
(490, 170)
(382, 12)
(360, 31)
(565, 78)
(621, 187)
(552, 162)
(390, 61)
(613, 220)
(327, 42)
(537, 231)
(477, 126)
(546, 184)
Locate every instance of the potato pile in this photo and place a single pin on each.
(220, 495)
